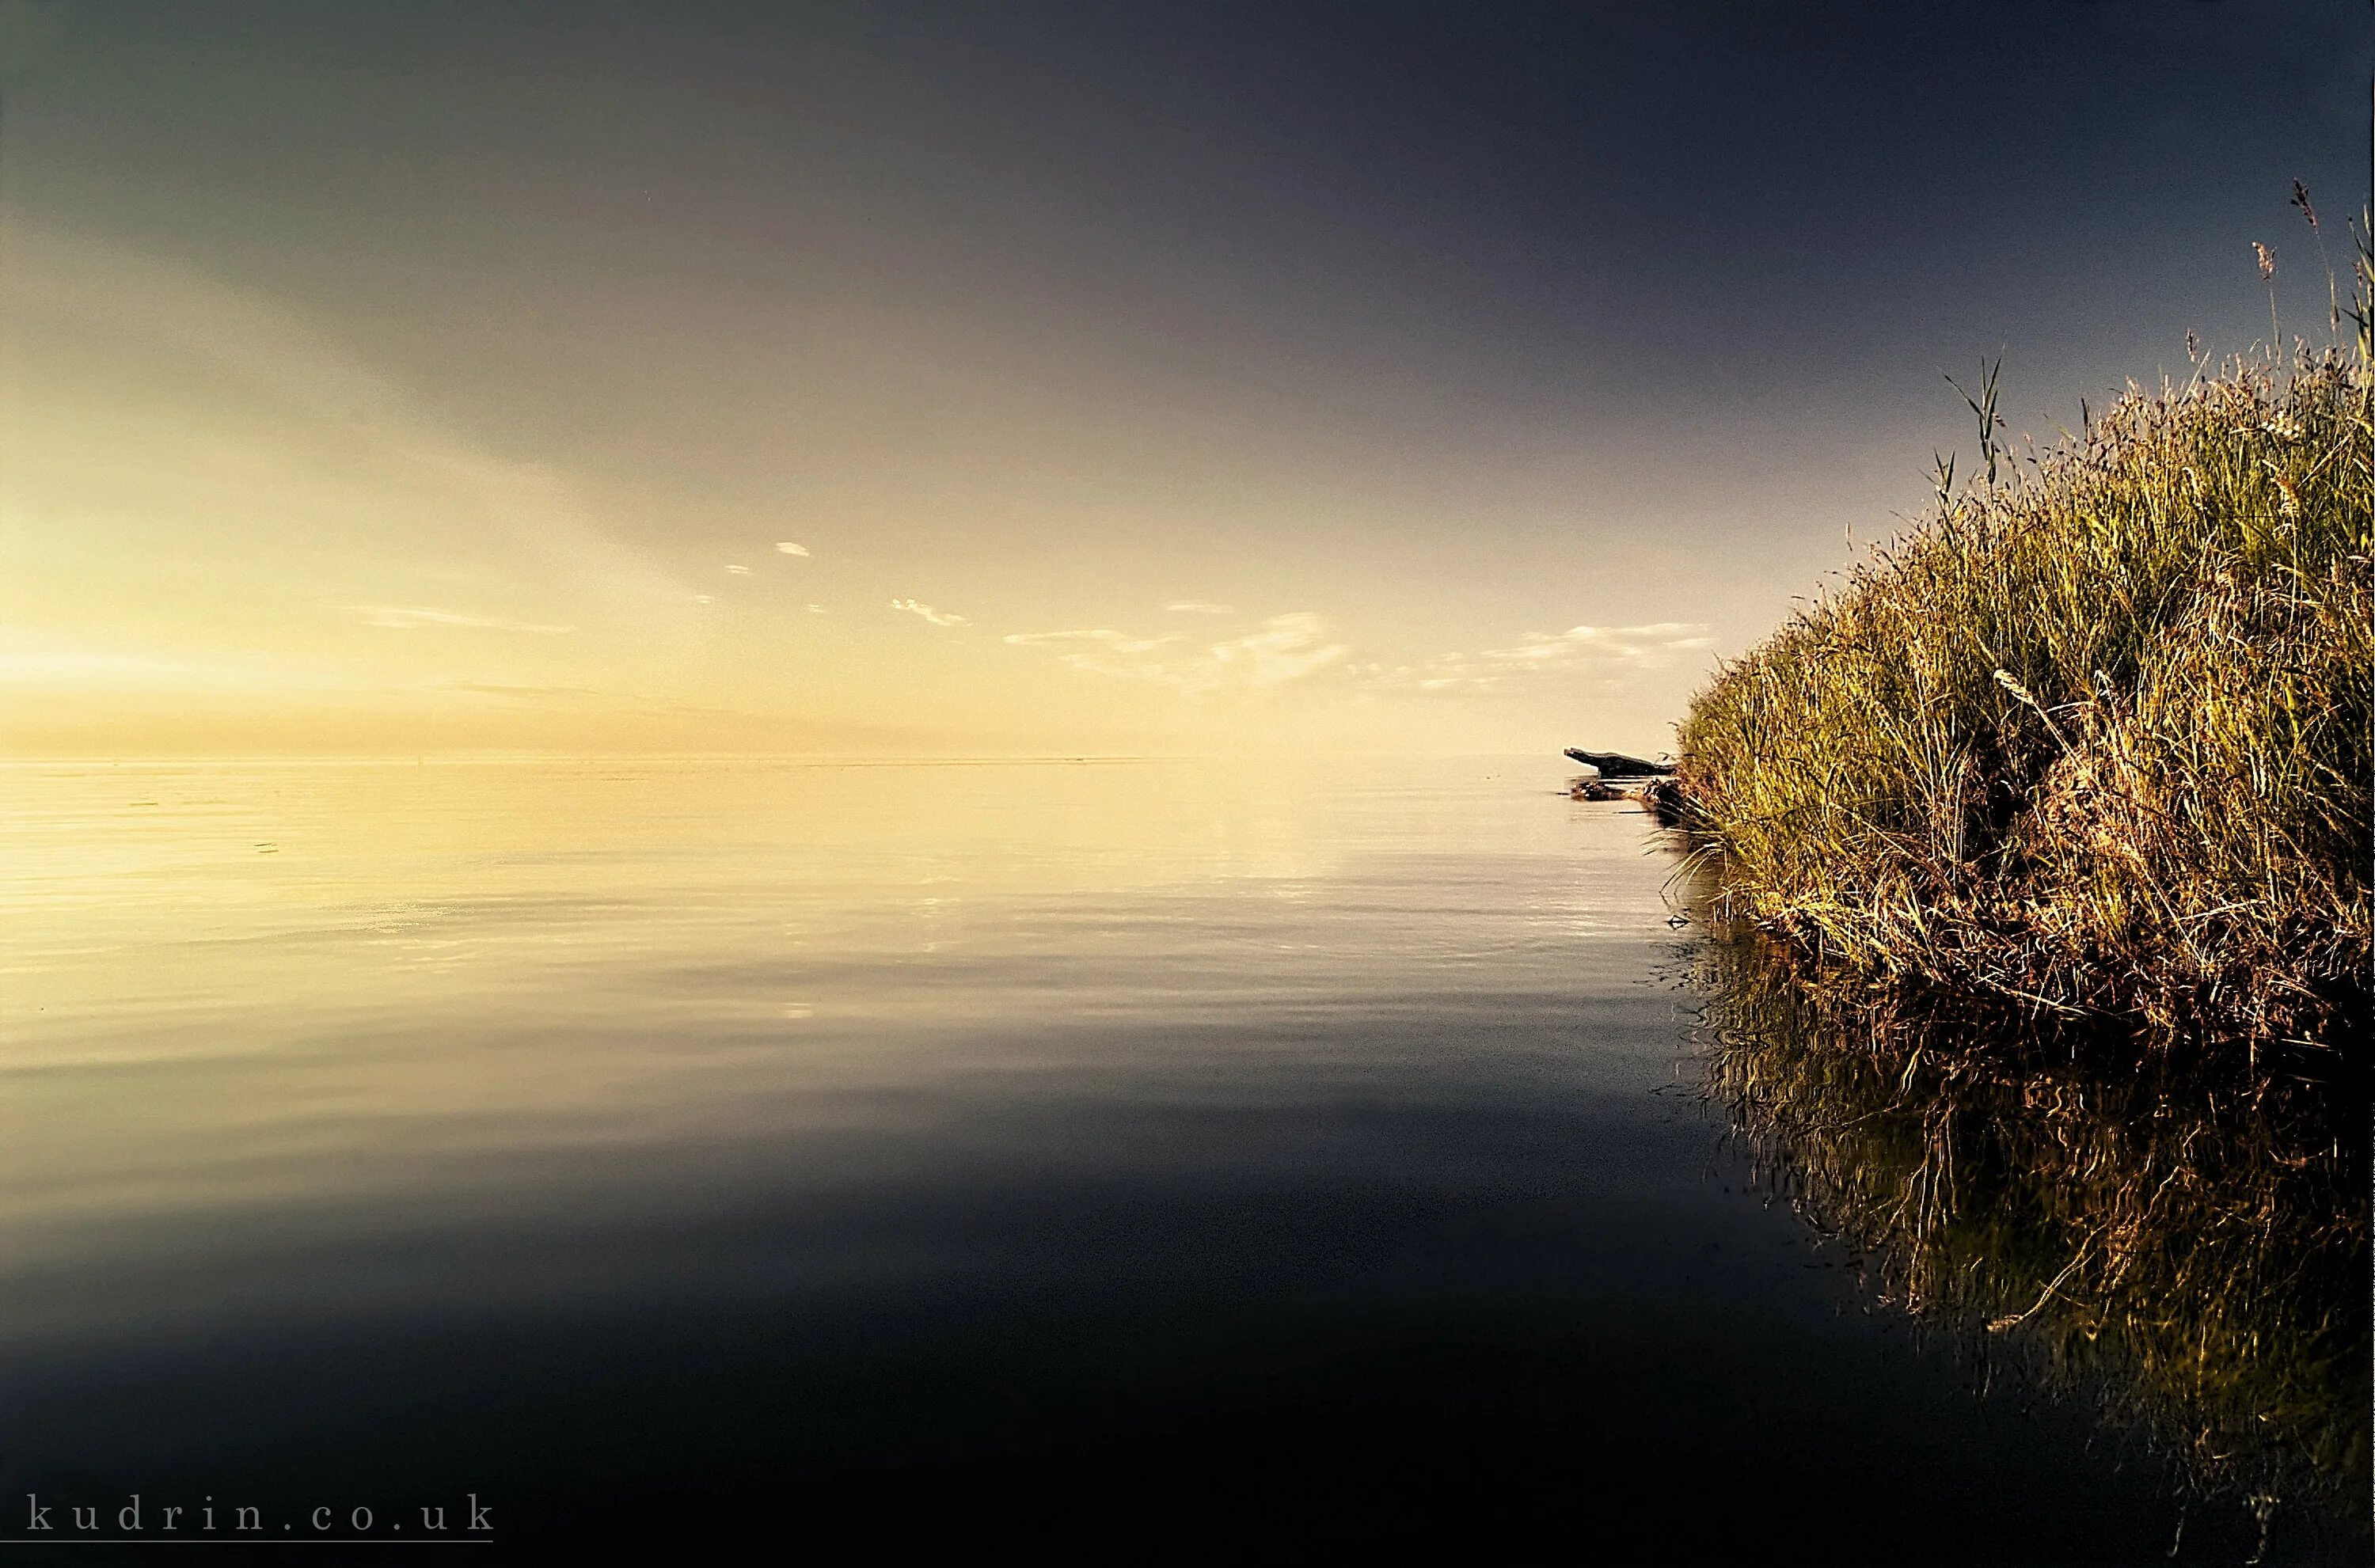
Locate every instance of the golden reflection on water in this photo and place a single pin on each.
(679, 1112)
(299, 884)
(240, 986)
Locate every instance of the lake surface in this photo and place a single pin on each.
(1134, 1161)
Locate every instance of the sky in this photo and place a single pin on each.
(1031, 379)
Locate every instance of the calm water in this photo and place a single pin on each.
(1141, 1162)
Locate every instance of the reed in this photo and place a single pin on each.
(2091, 741)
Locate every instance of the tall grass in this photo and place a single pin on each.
(2091, 740)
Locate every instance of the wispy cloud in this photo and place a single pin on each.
(1196, 607)
(1635, 645)
(1604, 652)
(938, 618)
(737, 570)
(37, 660)
(1112, 642)
(508, 691)
(412, 617)
(1288, 648)
(791, 548)
(444, 479)
(818, 609)
(564, 698)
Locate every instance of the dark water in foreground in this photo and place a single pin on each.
(1135, 1162)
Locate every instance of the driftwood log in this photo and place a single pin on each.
(1616, 765)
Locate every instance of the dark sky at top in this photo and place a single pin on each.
(1614, 313)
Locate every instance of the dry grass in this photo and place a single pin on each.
(2087, 751)
(2092, 741)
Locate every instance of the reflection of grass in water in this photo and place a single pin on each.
(2191, 1255)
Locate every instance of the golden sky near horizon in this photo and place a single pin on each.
(233, 532)
(390, 380)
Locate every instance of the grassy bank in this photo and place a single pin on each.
(2092, 739)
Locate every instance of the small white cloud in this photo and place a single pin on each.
(938, 618)
(1196, 607)
(791, 548)
(703, 599)
(738, 570)
(818, 609)
(412, 617)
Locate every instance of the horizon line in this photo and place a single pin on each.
(816, 759)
